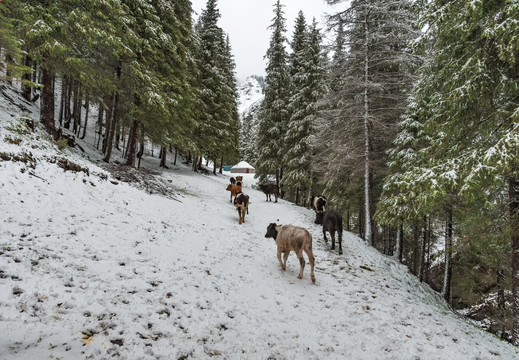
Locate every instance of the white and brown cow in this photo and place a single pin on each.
(241, 201)
(292, 238)
(318, 203)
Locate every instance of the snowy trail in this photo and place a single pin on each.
(89, 269)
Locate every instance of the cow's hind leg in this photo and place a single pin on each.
(301, 263)
(283, 267)
(312, 263)
(332, 234)
(239, 214)
(285, 258)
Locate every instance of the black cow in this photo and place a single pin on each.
(318, 203)
(332, 221)
(269, 189)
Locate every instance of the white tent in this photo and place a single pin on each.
(243, 167)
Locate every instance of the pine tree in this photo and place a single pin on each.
(307, 90)
(58, 39)
(273, 116)
(249, 134)
(334, 164)
(229, 141)
(376, 77)
(10, 47)
(472, 115)
(217, 133)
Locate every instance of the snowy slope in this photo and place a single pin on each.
(93, 268)
(250, 95)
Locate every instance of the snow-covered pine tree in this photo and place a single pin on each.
(48, 37)
(249, 134)
(334, 165)
(157, 78)
(218, 119)
(10, 47)
(57, 37)
(469, 107)
(307, 74)
(229, 108)
(273, 116)
(376, 77)
(166, 115)
(297, 155)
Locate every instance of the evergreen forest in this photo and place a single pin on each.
(407, 122)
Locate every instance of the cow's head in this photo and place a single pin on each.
(272, 231)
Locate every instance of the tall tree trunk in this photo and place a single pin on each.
(76, 113)
(501, 303)
(99, 130)
(368, 235)
(513, 186)
(115, 116)
(416, 248)
(132, 143)
(108, 121)
(221, 166)
(423, 245)
(26, 77)
(195, 163)
(9, 62)
(87, 104)
(361, 221)
(176, 154)
(386, 239)
(68, 97)
(428, 251)
(163, 155)
(110, 133)
(47, 104)
(62, 100)
(447, 275)
(399, 242)
(140, 153)
(118, 137)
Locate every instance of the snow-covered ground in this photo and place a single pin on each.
(92, 268)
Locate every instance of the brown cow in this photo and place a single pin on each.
(234, 189)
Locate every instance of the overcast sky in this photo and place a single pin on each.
(247, 22)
